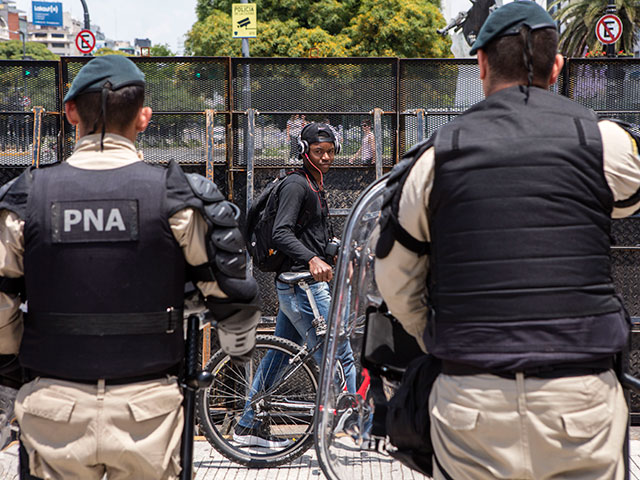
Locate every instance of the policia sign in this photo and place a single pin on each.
(244, 20)
(94, 221)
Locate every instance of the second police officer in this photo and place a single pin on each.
(494, 254)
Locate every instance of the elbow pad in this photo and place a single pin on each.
(226, 252)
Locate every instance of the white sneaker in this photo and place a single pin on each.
(254, 437)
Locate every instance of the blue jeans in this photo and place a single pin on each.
(294, 322)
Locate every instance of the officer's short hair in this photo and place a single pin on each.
(122, 107)
(506, 60)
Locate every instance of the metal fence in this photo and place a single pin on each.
(235, 121)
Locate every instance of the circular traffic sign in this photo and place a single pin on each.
(85, 41)
(609, 29)
(26, 101)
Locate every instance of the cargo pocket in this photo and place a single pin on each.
(49, 404)
(456, 417)
(155, 402)
(587, 423)
(175, 466)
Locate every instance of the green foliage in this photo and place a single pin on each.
(12, 50)
(401, 28)
(579, 19)
(299, 28)
(212, 37)
(204, 8)
(109, 51)
(287, 39)
(161, 50)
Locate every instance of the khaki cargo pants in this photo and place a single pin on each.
(82, 431)
(488, 427)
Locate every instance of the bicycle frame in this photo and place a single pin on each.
(304, 355)
(289, 372)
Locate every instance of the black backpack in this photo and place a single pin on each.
(259, 226)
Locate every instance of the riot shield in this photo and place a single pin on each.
(347, 444)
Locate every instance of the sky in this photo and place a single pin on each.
(162, 21)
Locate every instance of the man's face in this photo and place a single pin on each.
(321, 154)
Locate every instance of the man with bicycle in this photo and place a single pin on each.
(494, 253)
(102, 243)
(302, 199)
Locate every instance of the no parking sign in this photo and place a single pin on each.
(609, 29)
(85, 41)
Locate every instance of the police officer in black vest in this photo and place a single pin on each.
(104, 242)
(506, 213)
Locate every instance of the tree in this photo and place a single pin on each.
(297, 28)
(109, 51)
(578, 21)
(212, 37)
(12, 50)
(398, 28)
(161, 50)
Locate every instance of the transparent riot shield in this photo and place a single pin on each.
(344, 442)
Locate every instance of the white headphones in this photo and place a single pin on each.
(303, 145)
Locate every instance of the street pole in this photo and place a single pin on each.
(87, 23)
(245, 41)
(249, 130)
(24, 44)
(611, 48)
(24, 41)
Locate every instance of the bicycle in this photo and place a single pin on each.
(284, 404)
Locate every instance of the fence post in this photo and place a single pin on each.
(250, 152)
(211, 116)
(37, 135)
(249, 148)
(377, 136)
(420, 124)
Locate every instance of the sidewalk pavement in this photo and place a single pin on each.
(207, 465)
(210, 465)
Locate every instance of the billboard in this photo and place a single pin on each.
(47, 13)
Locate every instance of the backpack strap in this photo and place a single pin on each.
(301, 224)
(390, 228)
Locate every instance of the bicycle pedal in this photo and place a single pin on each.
(320, 326)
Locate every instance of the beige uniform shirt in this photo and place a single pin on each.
(401, 275)
(187, 225)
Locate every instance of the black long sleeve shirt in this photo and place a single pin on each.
(301, 229)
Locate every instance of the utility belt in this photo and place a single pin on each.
(592, 367)
(137, 323)
(173, 371)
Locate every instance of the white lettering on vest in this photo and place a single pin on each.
(71, 217)
(93, 218)
(115, 220)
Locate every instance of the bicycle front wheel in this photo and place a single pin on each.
(275, 392)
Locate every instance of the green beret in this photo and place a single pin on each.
(508, 19)
(115, 69)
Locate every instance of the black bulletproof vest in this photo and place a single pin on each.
(99, 243)
(520, 220)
